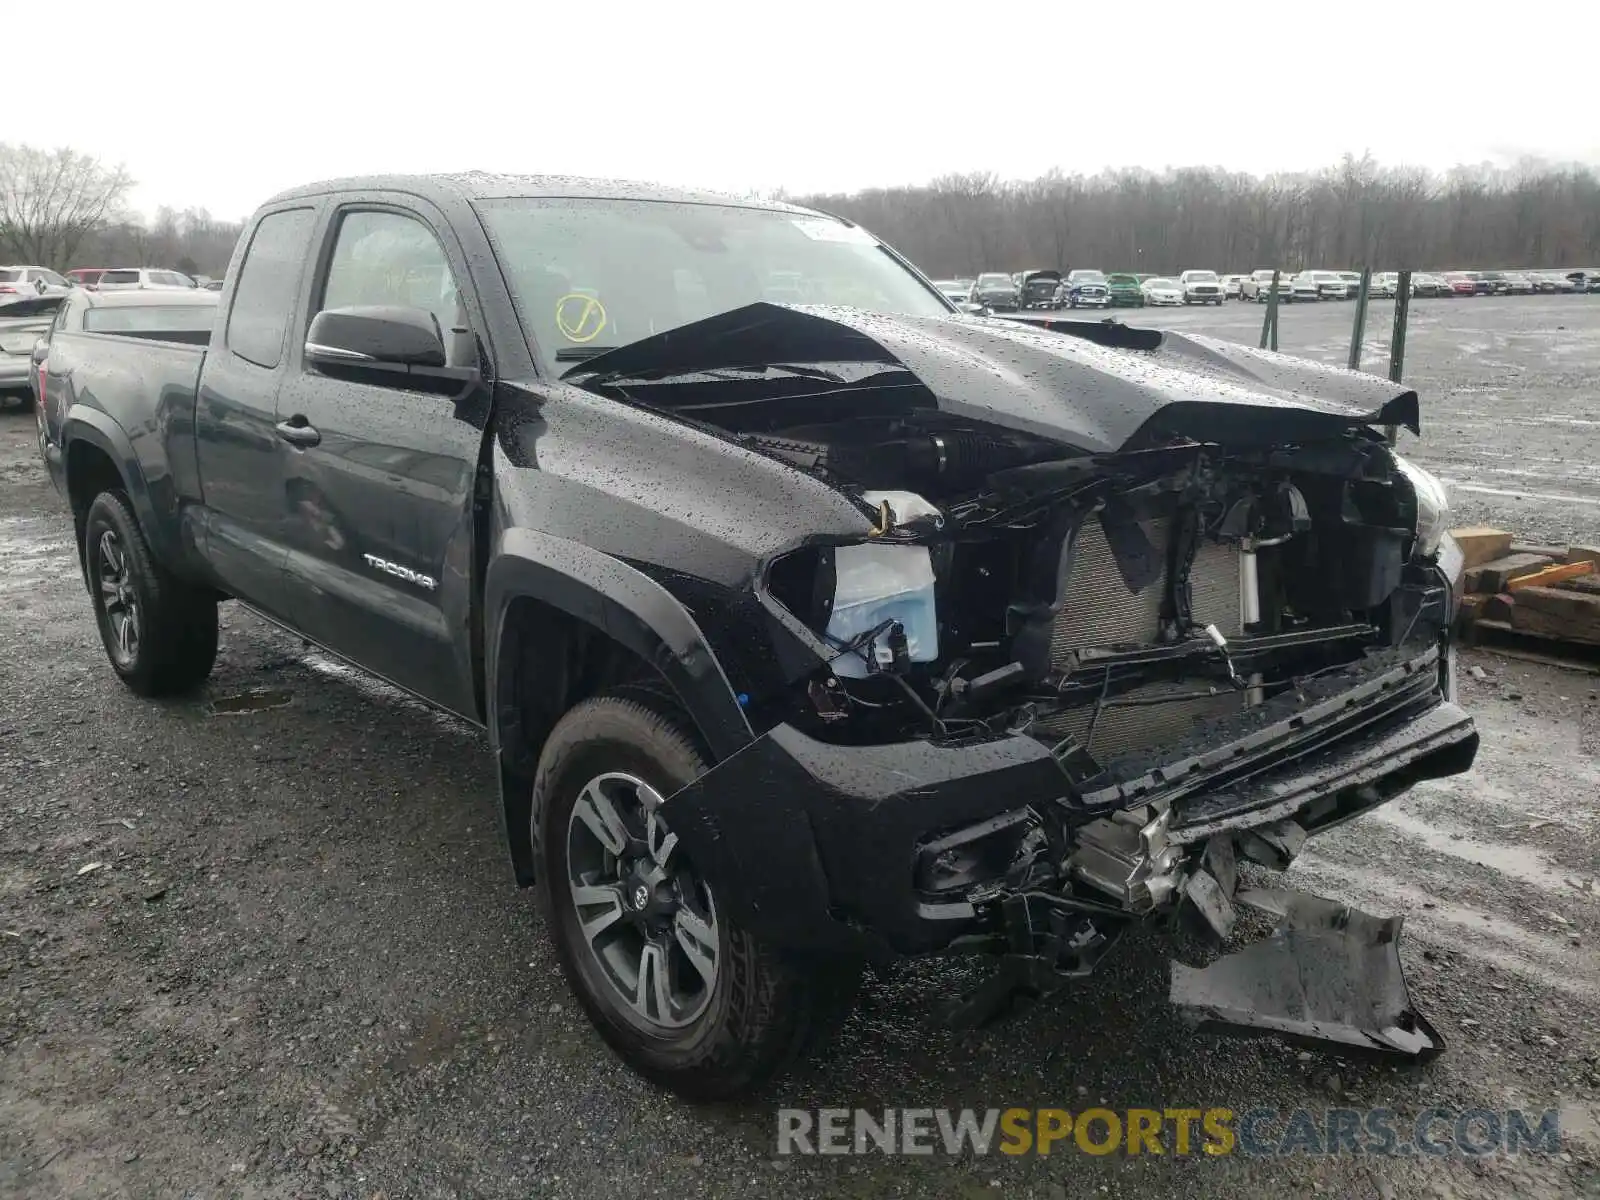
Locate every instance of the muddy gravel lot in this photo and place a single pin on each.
(277, 952)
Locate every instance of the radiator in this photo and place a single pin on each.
(1101, 611)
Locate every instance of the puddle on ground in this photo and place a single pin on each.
(1518, 862)
(248, 702)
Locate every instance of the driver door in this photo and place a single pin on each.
(381, 474)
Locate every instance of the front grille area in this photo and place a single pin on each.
(1101, 611)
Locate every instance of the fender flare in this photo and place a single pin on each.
(98, 429)
(627, 606)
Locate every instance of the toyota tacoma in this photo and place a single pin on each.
(805, 635)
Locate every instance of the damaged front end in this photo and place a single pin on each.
(1083, 663)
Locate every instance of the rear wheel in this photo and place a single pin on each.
(669, 979)
(159, 632)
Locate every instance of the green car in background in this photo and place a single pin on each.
(1125, 291)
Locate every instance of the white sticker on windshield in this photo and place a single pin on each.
(834, 231)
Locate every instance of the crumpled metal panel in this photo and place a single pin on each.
(1328, 976)
(1094, 390)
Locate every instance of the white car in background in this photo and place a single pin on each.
(1201, 287)
(17, 282)
(1233, 286)
(1161, 290)
(1329, 285)
(957, 290)
(127, 279)
(1385, 284)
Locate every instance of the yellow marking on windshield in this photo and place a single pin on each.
(580, 318)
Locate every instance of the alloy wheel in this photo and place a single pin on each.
(118, 598)
(649, 922)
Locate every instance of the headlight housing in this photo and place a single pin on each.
(876, 583)
(1433, 506)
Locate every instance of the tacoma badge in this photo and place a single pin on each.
(406, 573)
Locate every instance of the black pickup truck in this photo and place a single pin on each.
(812, 622)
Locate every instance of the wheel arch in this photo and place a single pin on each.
(565, 622)
(97, 454)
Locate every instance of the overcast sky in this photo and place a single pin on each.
(219, 104)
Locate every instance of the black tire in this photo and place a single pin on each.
(763, 1009)
(173, 642)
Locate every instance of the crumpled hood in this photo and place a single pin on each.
(1097, 386)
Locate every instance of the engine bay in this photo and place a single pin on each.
(1108, 603)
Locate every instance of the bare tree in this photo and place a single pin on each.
(51, 200)
(1355, 213)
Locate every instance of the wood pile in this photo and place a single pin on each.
(1545, 591)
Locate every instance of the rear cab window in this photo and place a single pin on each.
(171, 322)
(268, 283)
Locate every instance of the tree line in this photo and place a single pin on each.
(1357, 213)
(63, 209)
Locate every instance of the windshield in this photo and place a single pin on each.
(995, 279)
(1088, 277)
(1203, 276)
(586, 274)
(1125, 279)
(1326, 277)
(1161, 283)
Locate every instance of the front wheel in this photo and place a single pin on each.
(682, 994)
(159, 632)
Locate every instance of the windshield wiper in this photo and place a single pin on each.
(582, 353)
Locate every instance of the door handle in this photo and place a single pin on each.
(297, 431)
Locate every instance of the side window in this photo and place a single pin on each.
(391, 259)
(53, 279)
(269, 277)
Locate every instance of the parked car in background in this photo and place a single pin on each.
(1124, 290)
(1515, 283)
(955, 290)
(122, 279)
(1327, 285)
(1496, 281)
(1385, 284)
(1425, 283)
(21, 323)
(1233, 286)
(1460, 283)
(1556, 282)
(1158, 289)
(18, 281)
(1087, 288)
(1039, 289)
(1201, 287)
(85, 277)
(1258, 285)
(1482, 285)
(994, 289)
(1352, 283)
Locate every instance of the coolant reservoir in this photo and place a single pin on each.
(878, 583)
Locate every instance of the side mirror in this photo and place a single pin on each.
(375, 336)
(41, 351)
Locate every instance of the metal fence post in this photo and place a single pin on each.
(1269, 323)
(1360, 328)
(1397, 339)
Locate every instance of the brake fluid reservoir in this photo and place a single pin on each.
(877, 583)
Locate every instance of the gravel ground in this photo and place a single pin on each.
(300, 968)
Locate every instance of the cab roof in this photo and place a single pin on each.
(484, 185)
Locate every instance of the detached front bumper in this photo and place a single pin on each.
(905, 848)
